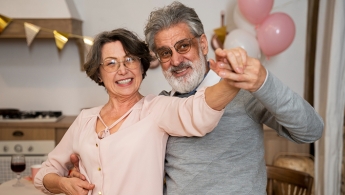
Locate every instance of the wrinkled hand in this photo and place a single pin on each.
(75, 172)
(238, 69)
(235, 59)
(75, 186)
(76, 183)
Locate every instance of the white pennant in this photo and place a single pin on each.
(88, 42)
(31, 32)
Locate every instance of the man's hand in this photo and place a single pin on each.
(75, 172)
(69, 186)
(240, 70)
(75, 186)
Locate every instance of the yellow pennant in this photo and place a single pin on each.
(60, 39)
(4, 21)
(31, 32)
(221, 33)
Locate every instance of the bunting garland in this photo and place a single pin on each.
(4, 21)
(32, 30)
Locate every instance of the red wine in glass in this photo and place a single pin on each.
(18, 165)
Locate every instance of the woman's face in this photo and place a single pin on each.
(124, 82)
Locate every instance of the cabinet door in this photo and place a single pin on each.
(27, 133)
(59, 133)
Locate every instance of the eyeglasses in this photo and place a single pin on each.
(183, 46)
(112, 64)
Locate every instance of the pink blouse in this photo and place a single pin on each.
(131, 160)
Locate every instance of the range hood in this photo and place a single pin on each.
(60, 15)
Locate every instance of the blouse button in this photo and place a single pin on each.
(99, 168)
(96, 145)
(99, 192)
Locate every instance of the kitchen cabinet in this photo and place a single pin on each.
(33, 139)
(23, 133)
(35, 130)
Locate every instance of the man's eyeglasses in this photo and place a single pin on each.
(183, 46)
(112, 64)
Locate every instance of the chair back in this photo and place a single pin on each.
(283, 181)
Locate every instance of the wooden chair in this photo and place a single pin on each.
(283, 181)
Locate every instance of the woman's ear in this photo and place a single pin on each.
(204, 44)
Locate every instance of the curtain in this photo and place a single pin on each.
(329, 95)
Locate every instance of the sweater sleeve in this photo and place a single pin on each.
(285, 111)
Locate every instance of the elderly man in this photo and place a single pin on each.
(230, 159)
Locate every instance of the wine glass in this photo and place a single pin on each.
(18, 166)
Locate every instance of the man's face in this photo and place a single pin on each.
(183, 71)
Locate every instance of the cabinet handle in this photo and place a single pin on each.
(18, 134)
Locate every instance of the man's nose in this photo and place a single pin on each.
(176, 58)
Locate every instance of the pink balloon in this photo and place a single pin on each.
(276, 33)
(255, 11)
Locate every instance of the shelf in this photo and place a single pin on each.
(16, 30)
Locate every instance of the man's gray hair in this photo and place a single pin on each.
(169, 16)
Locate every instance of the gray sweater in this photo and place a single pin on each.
(230, 159)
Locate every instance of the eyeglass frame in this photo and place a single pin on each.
(135, 58)
(170, 51)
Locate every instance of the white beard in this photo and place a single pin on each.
(189, 82)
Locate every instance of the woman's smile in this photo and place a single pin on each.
(124, 81)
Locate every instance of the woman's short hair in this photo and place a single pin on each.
(131, 44)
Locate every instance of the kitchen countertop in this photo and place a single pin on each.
(64, 122)
(27, 189)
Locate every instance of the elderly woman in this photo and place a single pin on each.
(121, 144)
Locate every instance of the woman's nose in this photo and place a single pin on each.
(122, 68)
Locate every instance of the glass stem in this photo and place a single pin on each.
(18, 178)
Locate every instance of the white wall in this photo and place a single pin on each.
(40, 78)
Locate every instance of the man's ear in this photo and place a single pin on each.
(204, 44)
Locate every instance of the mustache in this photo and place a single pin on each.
(181, 66)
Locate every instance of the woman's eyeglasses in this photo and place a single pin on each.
(183, 46)
(112, 64)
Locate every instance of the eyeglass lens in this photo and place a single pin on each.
(113, 65)
(183, 46)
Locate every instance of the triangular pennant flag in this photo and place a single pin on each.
(88, 42)
(60, 39)
(31, 32)
(4, 21)
(221, 33)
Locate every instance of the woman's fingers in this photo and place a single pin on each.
(236, 58)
